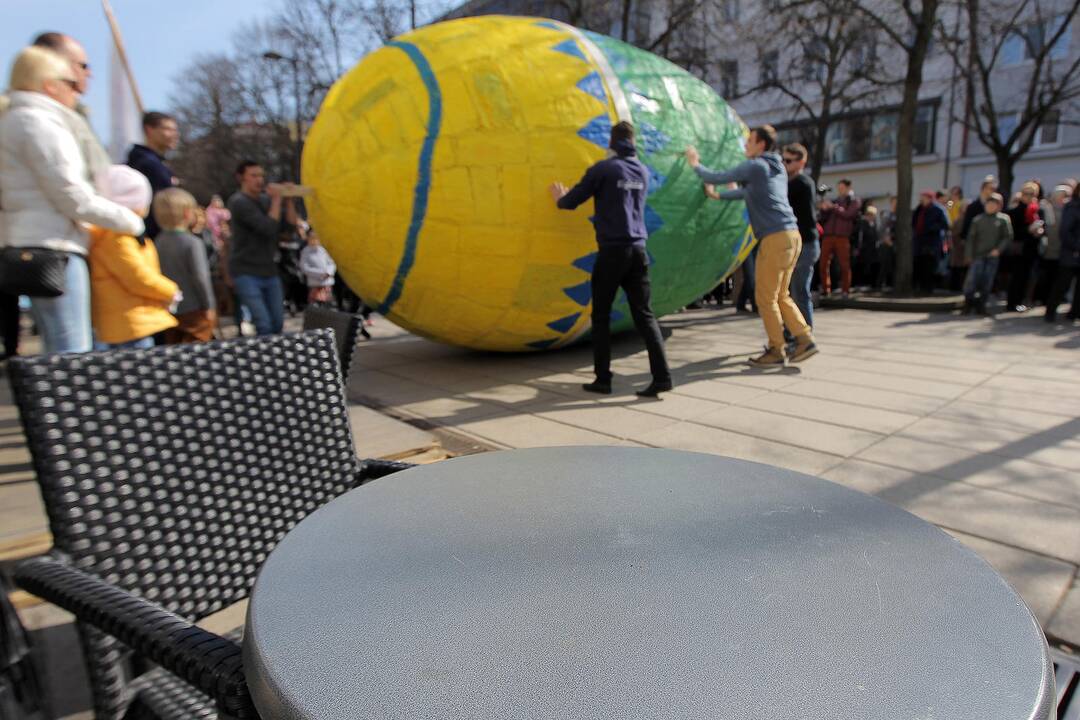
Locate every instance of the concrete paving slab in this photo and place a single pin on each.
(379, 436)
(521, 431)
(808, 434)
(894, 400)
(716, 441)
(1058, 446)
(1040, 581)
(958, 505)
(831, 411)
(1066, 618)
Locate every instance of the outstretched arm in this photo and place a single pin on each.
(585, 189)
(740, 173)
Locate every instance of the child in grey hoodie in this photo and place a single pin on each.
(318, 268)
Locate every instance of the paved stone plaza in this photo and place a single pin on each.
(972, 424)
(969, 423)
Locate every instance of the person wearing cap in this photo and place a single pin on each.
(131, 297)
(47, 198)
(930, 223)
(988, 237)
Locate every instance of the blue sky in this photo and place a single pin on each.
(161, 36)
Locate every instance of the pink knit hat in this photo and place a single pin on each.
(125, 186)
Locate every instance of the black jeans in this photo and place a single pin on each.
(1020, 276)
(1066, 276)
(925, 273)
(626, 267)
(9, 323)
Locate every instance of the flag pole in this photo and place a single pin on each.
(118, 42)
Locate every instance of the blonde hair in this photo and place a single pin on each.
(35, 66)
(171, 206)
(871, 211)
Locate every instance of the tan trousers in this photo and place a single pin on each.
(777, 255)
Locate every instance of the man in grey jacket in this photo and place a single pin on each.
(763, 184)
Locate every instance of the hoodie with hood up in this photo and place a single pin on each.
(618, 186)
(763, 184)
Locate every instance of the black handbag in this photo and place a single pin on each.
(35, 272)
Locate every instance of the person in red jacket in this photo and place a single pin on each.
(838, 221)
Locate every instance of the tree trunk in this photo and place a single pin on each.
(817, 152)
(1006, 167)
(905, 135)
(905, 132)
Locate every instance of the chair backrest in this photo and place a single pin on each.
(345, 327)
(173, 472)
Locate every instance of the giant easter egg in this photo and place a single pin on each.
(431, 162)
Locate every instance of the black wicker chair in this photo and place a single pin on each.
(346, 327)
(168, 476)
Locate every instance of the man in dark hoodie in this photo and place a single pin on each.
(763, 184)
(618, 186)
(162, 136)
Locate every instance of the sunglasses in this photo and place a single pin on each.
(791, 161)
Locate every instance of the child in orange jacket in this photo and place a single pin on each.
(130, 297)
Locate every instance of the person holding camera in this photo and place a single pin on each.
(256, 221)
(838, 218)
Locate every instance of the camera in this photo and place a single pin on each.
(823, 189)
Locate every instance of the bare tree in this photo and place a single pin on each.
(821, 57)
(997, 37)
(909, 27)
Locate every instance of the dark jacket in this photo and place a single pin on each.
(840, 220)
(802, 195)
(974, 209)
(865, 241)
(153, 166)
(618, 186)
(1029, 244)
(930, 224)
(1069, 233)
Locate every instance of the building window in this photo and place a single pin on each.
(1007, 125)
(729, 78)
(1048, 132)
(731, 11)
(863, 53)
(868, 135)
(883, 136)
(814, 60)
(769, 64)
(925, 120)
(1028, 41)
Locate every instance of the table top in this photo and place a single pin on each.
(632, 583)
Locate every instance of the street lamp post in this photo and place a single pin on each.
(298, 142)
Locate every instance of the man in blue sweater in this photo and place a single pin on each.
(763, 184)
(618, 186)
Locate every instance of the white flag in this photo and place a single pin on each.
(125, 124)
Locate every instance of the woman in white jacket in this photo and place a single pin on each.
(46, 200)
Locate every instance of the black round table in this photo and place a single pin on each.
(633, 583)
